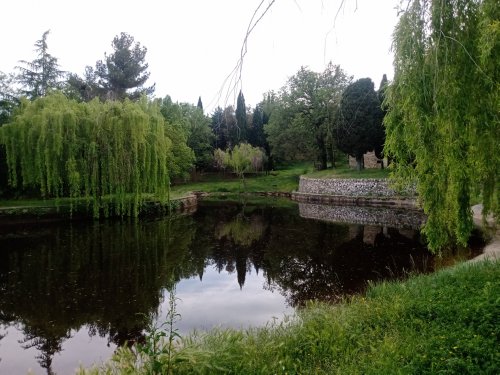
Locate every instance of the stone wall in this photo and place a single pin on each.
(347, 187)
(357, 192)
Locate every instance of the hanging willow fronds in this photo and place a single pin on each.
(109, 153)
(442, 126)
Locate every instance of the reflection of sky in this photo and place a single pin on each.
(215, 301)
(218, 301)
(79, 349)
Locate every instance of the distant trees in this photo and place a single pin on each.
(241, 119)
(40, 75)
(195, 126)
(122, 74)
(359, 120)
(299, 127)
(8, 97)
(242, 158)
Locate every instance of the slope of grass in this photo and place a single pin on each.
(285, 179)
(344, 171)
(443, 323)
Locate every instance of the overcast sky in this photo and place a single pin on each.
(193, 45)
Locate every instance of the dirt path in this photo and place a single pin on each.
(492, 249)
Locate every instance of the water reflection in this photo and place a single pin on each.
(109, 279)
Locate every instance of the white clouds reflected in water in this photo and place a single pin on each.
(219, 301)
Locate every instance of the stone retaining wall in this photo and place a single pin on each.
(347, 187)
(358, 192)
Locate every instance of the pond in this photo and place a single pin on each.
(70, 293)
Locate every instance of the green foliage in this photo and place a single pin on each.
(110, 153)
(190, 121)
(300, 124)
(8, 97)
(359, 120)
(157, 353)
(121, 75)
(243, 158)
(37, 77)
(440, 323)
(241, 119)
(285, 179)
(442, 126)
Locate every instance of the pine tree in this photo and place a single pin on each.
(123, 73)
(37, 77)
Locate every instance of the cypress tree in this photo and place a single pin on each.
(241, 119)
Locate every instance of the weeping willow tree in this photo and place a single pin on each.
(110, 153)
(443, 121)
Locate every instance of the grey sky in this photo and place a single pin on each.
(194, 44)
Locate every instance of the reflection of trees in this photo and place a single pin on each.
(242, 230)
(235, 236)
(47, 343)
(108, 276)
(340, 261)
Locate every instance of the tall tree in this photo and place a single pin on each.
(200, 104)
(37, 77)
(379, 143)
(256, 136)
(241, 119)
(218, 128)
(298, 127)
(8, 97)
(359, 120)
(443, 127)
(123, 73)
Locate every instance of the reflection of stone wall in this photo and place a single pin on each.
(391, 217)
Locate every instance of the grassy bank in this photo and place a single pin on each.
(283, 179)
(344, 171)
(446, 323)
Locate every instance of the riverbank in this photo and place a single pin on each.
(26, 211)
(444, 322)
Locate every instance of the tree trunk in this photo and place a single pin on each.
(322, 152)
(360, 163)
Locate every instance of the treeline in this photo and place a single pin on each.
(103, 136)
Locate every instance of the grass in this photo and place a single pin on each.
(285, 179)
(344, 171)
(442, 323)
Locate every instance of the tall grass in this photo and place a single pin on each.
(443, 323)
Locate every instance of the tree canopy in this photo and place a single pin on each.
(300, 123)
(109, 153)
(442, 124)
(359, 120)
(40, 75)
(122, 74)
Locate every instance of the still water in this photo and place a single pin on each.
(70, 293)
